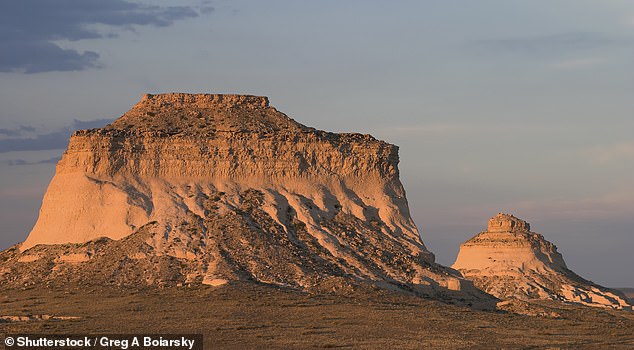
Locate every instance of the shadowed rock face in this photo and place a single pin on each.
(511, 262)
(215, 188)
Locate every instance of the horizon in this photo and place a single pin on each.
(491, 112)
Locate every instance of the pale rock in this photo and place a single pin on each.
(74, 258)
(511, 262)
(28, 318)
(27, 258)
(200, 188)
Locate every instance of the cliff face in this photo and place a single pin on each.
(511, 262)
(214, 142)
(222, 187)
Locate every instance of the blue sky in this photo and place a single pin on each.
(515, 106)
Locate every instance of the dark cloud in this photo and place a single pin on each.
(26, 128)
(9, 132)
(89, 124)
(552, 44)
(17, 132)
(206, 7)
(48, 141)
(29, 29)
(52, 160)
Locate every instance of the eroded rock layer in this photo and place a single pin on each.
(201, 188)
(511, 262)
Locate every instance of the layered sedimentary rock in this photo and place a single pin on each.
(511, 262)
(202, 188)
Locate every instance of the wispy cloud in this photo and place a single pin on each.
(552, 44)
(439, 128)
(48, 141)
(206, 7)
(606, 206)
(578, 63)
(14, 162)
(462, 128)
(430, 128)
(30, 30)
(20, 131)
(617, 152)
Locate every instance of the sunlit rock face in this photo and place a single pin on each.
(507, 223)
(511, 262)
(157, 160)
(226, 187)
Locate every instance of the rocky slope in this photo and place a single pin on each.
(511, 262)
(190, 189)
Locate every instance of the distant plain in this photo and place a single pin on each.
(250, 316)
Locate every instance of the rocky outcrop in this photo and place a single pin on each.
(511, 262)
(186, 189)
(168, 150)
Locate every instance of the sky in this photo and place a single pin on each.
(524, 107)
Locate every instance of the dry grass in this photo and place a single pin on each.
(247, 315)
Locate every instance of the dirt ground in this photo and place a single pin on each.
(250, 316)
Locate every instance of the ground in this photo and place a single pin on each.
(249, 316)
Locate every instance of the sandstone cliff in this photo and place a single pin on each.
(511, 262)
(201, 188)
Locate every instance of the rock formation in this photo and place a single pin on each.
(511, 262)
(205, 189)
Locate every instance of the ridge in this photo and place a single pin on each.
(204, 114)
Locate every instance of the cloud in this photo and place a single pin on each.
(21, 130)
(445, 129)
(206, 8)
(30, 30)
(90, 124)
(430, 129)
(578, 63)
(48, 141)
(552, 44)
(605, 206)
(622, 152)
(14, 162)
